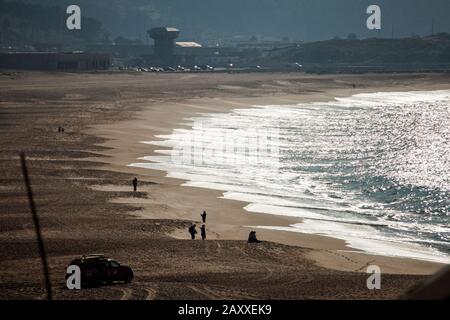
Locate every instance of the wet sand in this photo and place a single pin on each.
(84, 196)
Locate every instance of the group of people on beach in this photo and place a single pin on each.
(251, 237)
(193, 231)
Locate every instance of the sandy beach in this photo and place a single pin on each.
(82, 184)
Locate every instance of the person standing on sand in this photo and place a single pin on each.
(203, 215)
(192, 231)
(135, 182)
(203, 232)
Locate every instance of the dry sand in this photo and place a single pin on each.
(83, 191)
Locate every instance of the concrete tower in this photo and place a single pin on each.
(164, 42)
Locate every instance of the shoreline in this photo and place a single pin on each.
(369, 246)
(225, 229)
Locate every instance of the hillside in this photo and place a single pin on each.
(304, 20)
(404, 53)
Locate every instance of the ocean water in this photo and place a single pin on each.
(372, 169)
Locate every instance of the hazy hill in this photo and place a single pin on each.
(408, 53)
(410, 50)
(305, 20)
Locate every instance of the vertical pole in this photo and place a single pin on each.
(37, 228)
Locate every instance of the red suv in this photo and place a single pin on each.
(97, 269)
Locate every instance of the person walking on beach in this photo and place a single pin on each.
(135, 182)
(192, 231)
(203, 215)
(203, 232)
